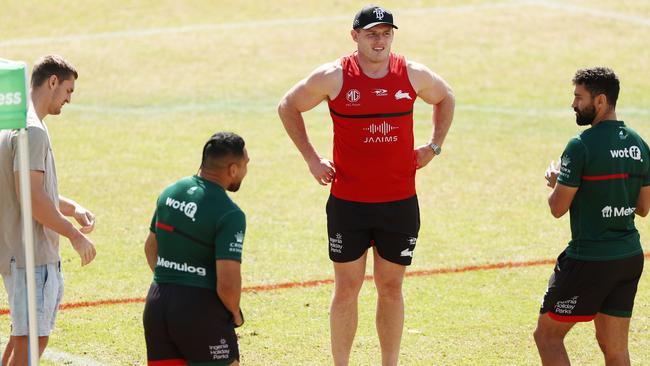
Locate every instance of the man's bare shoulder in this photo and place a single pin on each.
(328, 72)
(418, 70)
(422, 77)
(326, 79)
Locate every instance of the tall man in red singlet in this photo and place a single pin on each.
(370, 94)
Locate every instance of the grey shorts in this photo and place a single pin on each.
(49, 291)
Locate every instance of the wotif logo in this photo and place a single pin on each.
(632, 152)
(182, 267)
(188, 208)
(609, 211)
(11, 98)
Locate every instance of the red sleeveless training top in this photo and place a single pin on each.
(373, 134)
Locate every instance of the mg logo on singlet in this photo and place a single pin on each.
(353, 95)
(633, 152)
(379, 13)
(609, 211)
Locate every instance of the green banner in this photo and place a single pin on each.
(13, 94)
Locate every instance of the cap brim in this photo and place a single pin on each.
(368, 26)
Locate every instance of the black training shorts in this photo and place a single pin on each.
(392, 227)
(191, 324)
(579, 289)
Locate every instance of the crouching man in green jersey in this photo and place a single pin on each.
(604, 180)
(194, 250)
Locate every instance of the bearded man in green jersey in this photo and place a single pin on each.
(194, 249)
(604, 180)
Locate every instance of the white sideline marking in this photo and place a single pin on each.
(627, 18)
(135, 33)
(69, 359)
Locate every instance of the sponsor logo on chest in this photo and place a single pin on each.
(609, 211)
(187, 208)
(632, 152)
(380, 92)
(181, 267)
(354, 96)
(380, 133)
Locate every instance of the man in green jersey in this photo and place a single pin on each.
(194, 249)
(604, 180)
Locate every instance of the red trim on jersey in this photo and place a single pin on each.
(606, 177)
(164, 227)
(571, 318)
(170, 362)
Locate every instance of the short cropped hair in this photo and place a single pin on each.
(599, 80)
(222, 145)
(50, 65)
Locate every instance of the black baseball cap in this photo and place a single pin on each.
(372, 15)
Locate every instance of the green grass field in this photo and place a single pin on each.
(157, 78)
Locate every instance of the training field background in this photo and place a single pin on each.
(157, 78)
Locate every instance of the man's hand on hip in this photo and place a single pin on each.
(423, 155)
(323, 170)
(84, 248)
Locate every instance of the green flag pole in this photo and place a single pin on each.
(14, 101)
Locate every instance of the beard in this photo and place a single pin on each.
(586, 116)
(234, 187)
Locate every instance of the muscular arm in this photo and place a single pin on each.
(229, 286)
(151, 250)
(47, 214)
(643, 202)
(559, 201)
(432, 89)
(326, 81)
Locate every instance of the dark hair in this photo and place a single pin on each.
(50, 65)
(599, 80)
(222, 145)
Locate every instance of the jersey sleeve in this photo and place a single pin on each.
(152, 227)
(572, 163)
(229, 241)
(38, 148)
(646, 176)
